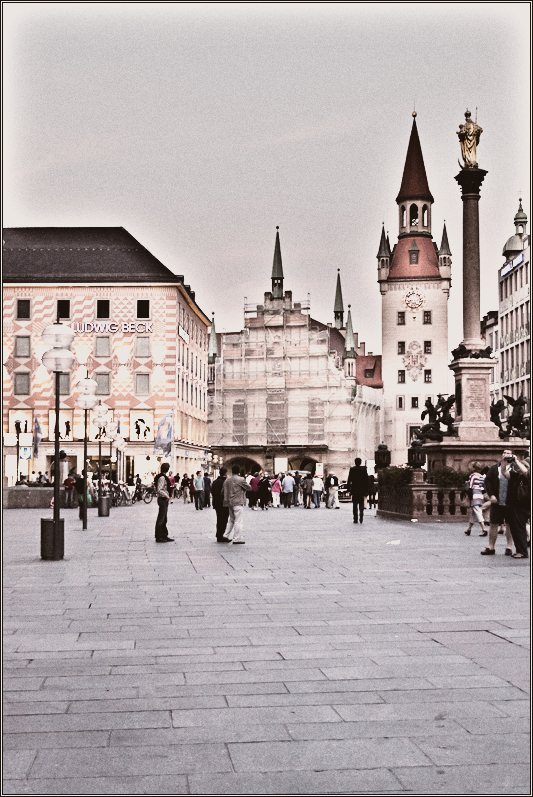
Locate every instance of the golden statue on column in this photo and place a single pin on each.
(469, 134)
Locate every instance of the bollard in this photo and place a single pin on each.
(52, 546)
(104, 505)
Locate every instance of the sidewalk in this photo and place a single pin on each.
(322, 657)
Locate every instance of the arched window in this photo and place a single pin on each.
(413, 215)
(425, 216)
(404, 217)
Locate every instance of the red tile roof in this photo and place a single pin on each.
(428, 263)
(367, 362)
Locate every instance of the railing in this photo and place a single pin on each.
(424, 502)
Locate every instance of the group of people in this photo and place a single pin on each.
(501, 496)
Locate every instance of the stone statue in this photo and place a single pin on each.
(430, 411)
(469, 134)
(516, 423)
(495, 410)
(437, 414)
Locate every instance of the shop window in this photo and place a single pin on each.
(63, 308)
(142, 384)
(22, 347)
(401, 377)
(401, 347)
(414, 402)
(23, 309)
(427, 317)
(103, 382)
(142, 347)
(22, 383)
(103, 307)
(401, 318)
(102, 347)
(143, 308)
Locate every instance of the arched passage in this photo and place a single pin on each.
(249, 465)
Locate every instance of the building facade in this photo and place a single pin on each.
(289, 392)
(414, 280)
(138, 333)
(513, 316)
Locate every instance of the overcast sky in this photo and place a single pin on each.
(199, 127)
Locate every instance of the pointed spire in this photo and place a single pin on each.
(414, 181)
(339, 306)
(349, 342)
(384, 248)
(277, 270)
(445, 246)
(212, 353)
(388, 244)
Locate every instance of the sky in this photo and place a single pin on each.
(200, 127)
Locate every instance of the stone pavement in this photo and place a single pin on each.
(319, 658)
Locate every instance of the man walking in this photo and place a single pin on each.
(287, 486)
(496, 485)
(234, 491)
(332, 492)
(199, 490)
(358, 487)
(162, 491)
(222, 511)
(207, 490)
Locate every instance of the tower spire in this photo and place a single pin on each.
(338, 309)
(349, 342)
(414, 181)
(277, 270)
(445, 246)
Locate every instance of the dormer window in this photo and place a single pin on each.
(413, 257)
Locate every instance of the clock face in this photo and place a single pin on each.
(414, 299)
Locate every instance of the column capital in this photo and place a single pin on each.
(470, 180)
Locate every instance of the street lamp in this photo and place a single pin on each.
(382, 456)
(101, 421)
(86, 401)
(112, 434)
(59, 359)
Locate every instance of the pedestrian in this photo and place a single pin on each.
(162, 491)
(318, 489)
(332, 492)
(296, 489)
(207, 490)
(69, 492)
(496, 485)
(265, 494)
(172, 484)
(234, 492)
(475, 490)
(185, 488)
(307, 486)
(518, 502)
(276, 489)
(199, 490)
(254, 491)
(43, 478)
(372, 491)
(358, 487)
(217, 492)
(287, 486)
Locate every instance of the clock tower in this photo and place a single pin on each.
(414, 281)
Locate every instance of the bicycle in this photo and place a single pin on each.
(149, 494)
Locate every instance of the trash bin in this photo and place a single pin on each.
(104, 505)
(52, 545)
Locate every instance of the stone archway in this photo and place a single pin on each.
(250, 465)
(303, 463)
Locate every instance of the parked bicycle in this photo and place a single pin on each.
(149, 493)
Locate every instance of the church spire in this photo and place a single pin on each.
(384, 247)
(414, 181)
(445, 246)
(338, 309)
(277, 270)
(349, 342)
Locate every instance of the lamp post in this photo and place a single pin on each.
(59, 359)
(382, 456)
(86, 401)
(101, 421)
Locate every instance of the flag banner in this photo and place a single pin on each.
(163, 440)
(37, 437)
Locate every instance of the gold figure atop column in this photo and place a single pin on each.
(469, 134)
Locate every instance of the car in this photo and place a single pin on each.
(344, 493)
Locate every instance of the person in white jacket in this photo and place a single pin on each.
(318, 489)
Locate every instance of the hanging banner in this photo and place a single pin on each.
(163, 441)
(37, 437)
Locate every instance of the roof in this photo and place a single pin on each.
(367, 362)
(277, 266)
(79, 254)
(384, 246)
(338, 306)
(444, 246)
(427, 266)
(349, 342)
(414, 181)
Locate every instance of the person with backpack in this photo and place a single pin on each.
(163, 490)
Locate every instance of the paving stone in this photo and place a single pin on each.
(174, 784)
(249, 716)
(416, 710)
(380, 729)
(332, 782)
(87, 722)
(35, 741)
(17, 763)
(201, 734)
(472, 779)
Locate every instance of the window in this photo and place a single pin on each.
(413, 257)
(22, 383)
(369, 373)
(413, 215)
(22, 347)
(400, 402)
(63, 308)
(103, 384)
(427, 316)
(23, 309)
(404, 216)
(414, 402)
(102, 308)
(143, 308)
(102, 347)
(401, 377)
(142, 347)
(427, 376)
(401, 318)
(64, 384)
(142, 384)
(401, 347)
(425, 215)
(427, 347)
